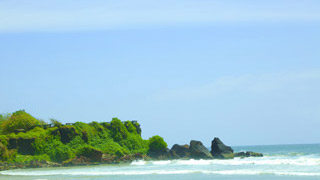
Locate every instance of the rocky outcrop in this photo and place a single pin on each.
(248, 154)
(198, 151)
(220, 150)
(130, 158)
(163, 154)
(23, 145)
(67, 133)
(92, 154)
(77, 161)
(180, 151)
(13, 143)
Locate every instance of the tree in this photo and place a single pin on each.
(3, 117)
(19, 120)
(55, 123)
(156, 143)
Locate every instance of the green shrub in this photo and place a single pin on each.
(85, 150)
(4, 140)
(76, 143)
(85, 128)
(34, 133)
(61, 153)
(56, 123)
(106, 125)
(156, 143)
(135, 143)
(3, 117)
(54, 148)
(105, 143)
(96, 126)
(19, 120)
(130, 127)
(5, 154)
(27, 158)
(118, 130)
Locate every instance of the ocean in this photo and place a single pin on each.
(280, 162)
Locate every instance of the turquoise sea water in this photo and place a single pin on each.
(281, 162)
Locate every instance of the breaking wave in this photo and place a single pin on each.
(164, 172)
(299, 161)
(269, 165)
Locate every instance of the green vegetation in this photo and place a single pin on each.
(156, 143)
(5, 154)
(55, 123)
(24, 138)
(19, 120)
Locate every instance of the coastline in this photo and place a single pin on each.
(27, 142)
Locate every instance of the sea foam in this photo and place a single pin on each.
(268, 165)
(164, 172)
(300, 161)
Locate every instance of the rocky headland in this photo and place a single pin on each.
(26, 142)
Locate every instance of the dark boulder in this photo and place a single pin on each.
(253, 154)
(93, 154)
(180, 151)
(162, 154)
(240, 154)
(198, 151)
(220, 150)
(248, 154)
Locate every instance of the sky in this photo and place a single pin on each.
(245, 71)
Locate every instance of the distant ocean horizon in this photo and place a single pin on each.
(294, 161)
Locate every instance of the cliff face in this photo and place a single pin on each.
(23, 146)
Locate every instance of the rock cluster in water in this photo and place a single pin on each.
(196, 150)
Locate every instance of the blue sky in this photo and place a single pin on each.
(245, 71)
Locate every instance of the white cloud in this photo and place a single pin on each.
(64, 15)
(271, 83)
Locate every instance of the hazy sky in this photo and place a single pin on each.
(246, 71)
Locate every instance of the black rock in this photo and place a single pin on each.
(180, 151)
(253, 154)
(23, 145)
(198, 151)
(94, 155)
(220, 150)
(240, 154)
(162, 154)
(248, 154)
